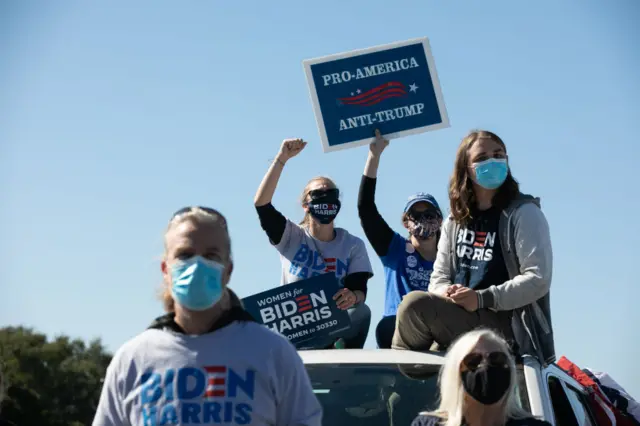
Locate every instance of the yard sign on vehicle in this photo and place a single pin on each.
(393, 88)
(300, 311)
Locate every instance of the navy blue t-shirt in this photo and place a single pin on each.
(404, 271)
(479, 259)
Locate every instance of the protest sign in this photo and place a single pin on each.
(393, 88)
(300, 311)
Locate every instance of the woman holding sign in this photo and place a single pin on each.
(407, 261)
(315, 246)
(494, 261)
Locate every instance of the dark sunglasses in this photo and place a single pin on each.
(474, 360)
(426, 214)
(209, 210)
(320, 193)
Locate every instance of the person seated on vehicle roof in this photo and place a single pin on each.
(478, 385)
(316, 246)
(163, 375)
(494, 261)
(407, 261)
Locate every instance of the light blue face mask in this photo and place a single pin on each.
(196, 283)
(491, 173)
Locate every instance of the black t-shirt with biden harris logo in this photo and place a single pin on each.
(479, 259)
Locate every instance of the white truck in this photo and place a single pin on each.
(390, 387)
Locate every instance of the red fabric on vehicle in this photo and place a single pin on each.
(598, 401)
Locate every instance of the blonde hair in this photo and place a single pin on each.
(305, 194)
(197, 216)
(452, 393)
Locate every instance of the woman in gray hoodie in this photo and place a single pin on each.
(494, 261)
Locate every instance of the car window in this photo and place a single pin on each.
(376, 394)
(579, 407)
(373, 394)
(521, 391)
(562, 409)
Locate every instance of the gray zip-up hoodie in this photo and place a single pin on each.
(526, 246)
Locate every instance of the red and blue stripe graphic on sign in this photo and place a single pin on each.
(392, 89)
(303, 302)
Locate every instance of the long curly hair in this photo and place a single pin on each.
(461, 195)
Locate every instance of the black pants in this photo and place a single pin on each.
(384, 331)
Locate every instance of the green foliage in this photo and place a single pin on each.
(50, 383)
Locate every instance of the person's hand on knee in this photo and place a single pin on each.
(467, 298)
(453, 289)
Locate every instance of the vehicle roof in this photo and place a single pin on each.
(370, 356)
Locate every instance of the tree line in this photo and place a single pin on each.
(49, 382)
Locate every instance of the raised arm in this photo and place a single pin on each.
(378, 232)
(271, 220)
(375, 151)
(289, 149)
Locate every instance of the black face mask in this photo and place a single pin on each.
(488, 382)
(324, 206)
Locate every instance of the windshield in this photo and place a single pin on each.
(373, 394)
(377, 394)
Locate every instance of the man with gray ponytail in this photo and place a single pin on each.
(206, 361)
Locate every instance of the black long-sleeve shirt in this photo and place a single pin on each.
(377, 230)
(274, 224)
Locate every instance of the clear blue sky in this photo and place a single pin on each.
(114, 115)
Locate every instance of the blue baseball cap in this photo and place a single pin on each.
(419, 198)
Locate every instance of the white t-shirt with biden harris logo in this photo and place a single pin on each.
(242, 374)
(303, 256)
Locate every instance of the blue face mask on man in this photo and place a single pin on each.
(196, 283)
(491, 173)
